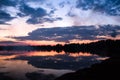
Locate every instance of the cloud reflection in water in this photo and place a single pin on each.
(50, 63)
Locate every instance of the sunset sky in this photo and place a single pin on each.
(41, 22)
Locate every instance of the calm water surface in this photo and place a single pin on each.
(24, 65)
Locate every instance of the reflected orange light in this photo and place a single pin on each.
(46, 53)
(42, 53)
(53, 53)
(7, 57)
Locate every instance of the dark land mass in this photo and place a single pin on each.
(3, 77)
(107, 70)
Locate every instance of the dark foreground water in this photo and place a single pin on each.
(35, 65)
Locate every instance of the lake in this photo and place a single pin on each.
(43, 65)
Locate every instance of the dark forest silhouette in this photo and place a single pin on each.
(102, 48)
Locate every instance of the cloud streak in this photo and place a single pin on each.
(72, 33)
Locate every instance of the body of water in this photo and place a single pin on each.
(37, 65)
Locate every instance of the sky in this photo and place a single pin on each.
(44, 22)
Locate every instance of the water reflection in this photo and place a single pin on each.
(26, 65)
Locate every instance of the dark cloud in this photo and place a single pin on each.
(42, 20)
(26, 11)
(7, 42)
(62, 4)
(7, 3)
(11, 43)
(2, 22)
(52, 11)
(65, 61)
(4, 17)
(114, 33)
(85, 4)
(110, 7)
(36, 15)
(38, 20)
(70, 33)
